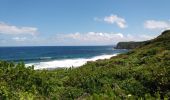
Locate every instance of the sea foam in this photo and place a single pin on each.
(67, 62)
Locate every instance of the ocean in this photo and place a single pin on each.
(57, 56)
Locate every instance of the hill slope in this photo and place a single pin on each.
(128, 45)
(143, 72)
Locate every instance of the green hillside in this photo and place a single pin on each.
(142, 73)
(129, 45)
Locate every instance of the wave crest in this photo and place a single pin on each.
(67, 62)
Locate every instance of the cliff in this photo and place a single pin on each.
(142, 73)
(128, 45)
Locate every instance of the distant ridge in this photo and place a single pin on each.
(133, 44)
(142, 73)
(128, 45)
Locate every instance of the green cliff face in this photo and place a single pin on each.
(132, 45)
(128, 45)
(142, 73)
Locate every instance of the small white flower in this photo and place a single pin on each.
(129, 95)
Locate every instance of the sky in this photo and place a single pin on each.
(81, 22)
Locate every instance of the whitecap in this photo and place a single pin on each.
(66, 63)
(44, 58)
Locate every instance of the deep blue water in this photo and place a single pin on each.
(45, 53)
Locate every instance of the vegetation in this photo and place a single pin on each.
(129, 45)
(142, 73)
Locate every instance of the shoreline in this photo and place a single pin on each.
(67, 63)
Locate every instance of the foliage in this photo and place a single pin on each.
(143, 73)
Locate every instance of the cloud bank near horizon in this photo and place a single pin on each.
(77, 38)
(28, 35)
(157, 24)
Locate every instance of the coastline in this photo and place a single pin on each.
(67, 63)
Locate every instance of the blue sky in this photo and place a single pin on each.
(81, 22)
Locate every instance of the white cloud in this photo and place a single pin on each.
(19, 39)
(91, 36)
(113, 19)
(97, 38)
(14, 30)
(75, 39)
(140, 37)
(154, 24)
